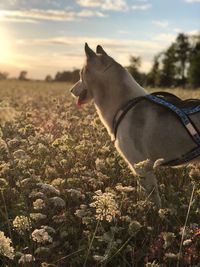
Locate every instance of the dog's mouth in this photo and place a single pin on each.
(82, 98)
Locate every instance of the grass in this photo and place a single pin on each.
(60, 172)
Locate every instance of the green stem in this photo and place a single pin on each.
(120, 249)
(184, 227)
(6, 212)
(95, 231)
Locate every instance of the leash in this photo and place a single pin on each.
(181, 114)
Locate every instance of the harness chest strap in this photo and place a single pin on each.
(181, 115)
(185, 119)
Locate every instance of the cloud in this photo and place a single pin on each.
(165, 37)
(123, 32)
(12, 2)
(33, 15)
(192, 1)
(194, 32)
(70, 50)
(141, 7)
(161, 23)
(110, 43)
(116, 5)
(177, 30)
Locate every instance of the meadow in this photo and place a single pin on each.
(67, 198)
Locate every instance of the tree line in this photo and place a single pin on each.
(177, 66)
(65, 76)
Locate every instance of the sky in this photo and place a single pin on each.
(46, 36)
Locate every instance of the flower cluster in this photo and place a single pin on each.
(105, 205)
(5, 246)
(21, 224)
(26, 258)
(38, 204)
(124, 189)
(41, 236)
(53, 157)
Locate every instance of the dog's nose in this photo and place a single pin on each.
(71, 90)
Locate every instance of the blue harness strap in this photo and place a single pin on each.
(181, 113)
(190, 111)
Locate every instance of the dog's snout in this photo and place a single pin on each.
(76, 88)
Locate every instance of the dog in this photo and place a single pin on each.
(147, 131)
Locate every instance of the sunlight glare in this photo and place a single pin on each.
(5, 46)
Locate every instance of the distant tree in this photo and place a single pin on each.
(194, 68)
(57, 76)
(182, 52)
(23, 75)
(67, 76)
(48, 78)
(153, 77)
(75, 75)
(168, 71)
(133, 68)
(3, 75)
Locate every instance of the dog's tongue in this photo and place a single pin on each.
(81, 98)
(79, 103)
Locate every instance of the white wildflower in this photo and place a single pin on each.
(26, 258)
(187, 242)
(99, 164)
(19, 154)
(7, 114)
(38, 216)
(41, 236)
(36, 194)
(99, 258)
(25, 182)
(81, 212)
(47, 188)
(168, 238)
(106, 206)
(142, 164)
(3, 183)
(59, 218)
(38, 204)
(125, 189)
(126, 218)
(58, 182)
(21, 224)
(152, 264)
(5, 246)
(134, 227)
(171, 255)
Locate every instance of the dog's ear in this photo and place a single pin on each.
(89, 52)
(100, 50)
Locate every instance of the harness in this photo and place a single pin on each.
(180, 108)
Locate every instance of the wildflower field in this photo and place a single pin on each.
(68, 199)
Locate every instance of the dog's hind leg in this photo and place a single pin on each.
(149, 182)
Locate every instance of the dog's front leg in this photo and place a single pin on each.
(149, 182)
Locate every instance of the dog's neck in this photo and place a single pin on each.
(115, 95)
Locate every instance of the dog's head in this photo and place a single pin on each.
(92, 73)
